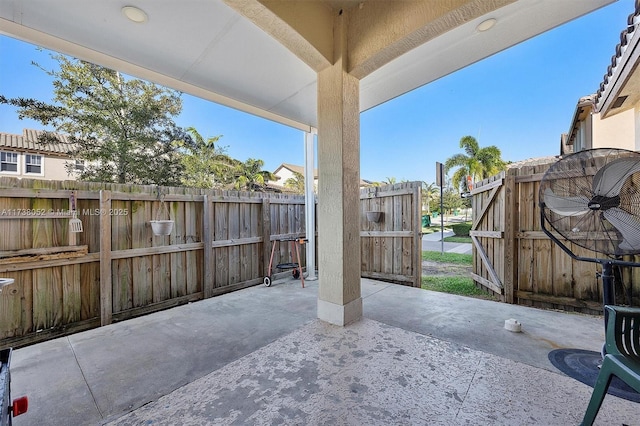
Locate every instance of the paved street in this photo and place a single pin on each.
(432, 242)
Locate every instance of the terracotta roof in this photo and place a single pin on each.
(28, 141)
(533, 162)
(617, 62)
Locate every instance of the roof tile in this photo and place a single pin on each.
(28, 141)
(632, 25)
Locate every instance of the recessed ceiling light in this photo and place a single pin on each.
(134, 14)
(486, 25)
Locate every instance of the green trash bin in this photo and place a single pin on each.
(426, 220)
(435, 215)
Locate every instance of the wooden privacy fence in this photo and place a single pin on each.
(117, 268)
(514, 258)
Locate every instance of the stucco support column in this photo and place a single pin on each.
(339, 300)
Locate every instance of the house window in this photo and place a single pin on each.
(79, 166)
(9, 162)
(33, 164)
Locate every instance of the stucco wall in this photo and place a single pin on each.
(616, 131)
(636, 114)
(284, 174)
(55, 169)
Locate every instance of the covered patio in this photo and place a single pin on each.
(314, 65)
(281, 355)
(259, 356)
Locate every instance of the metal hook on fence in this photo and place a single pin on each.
(75, 224)
(163, 205)
(72, 199)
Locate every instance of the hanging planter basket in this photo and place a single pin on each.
(374, 216)
(162, 226)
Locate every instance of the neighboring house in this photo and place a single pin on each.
(23, 156)
(590, 130)
(617, 101)
(611, 117)
(287, 171)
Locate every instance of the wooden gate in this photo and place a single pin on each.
(487, 235)
(516, 259)
(391, 233)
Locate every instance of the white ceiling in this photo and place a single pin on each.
(205, 48)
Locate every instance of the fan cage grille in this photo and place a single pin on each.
(572, 178)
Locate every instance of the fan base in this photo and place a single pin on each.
(584, 366)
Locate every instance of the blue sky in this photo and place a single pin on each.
(520, 100)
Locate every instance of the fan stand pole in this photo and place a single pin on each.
(608, 294)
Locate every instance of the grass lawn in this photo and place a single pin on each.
(462, 286)
(455, 239)
(457, 258)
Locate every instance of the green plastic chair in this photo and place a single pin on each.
(622, 359)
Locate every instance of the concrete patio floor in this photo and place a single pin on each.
(259, 356)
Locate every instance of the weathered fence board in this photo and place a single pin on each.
(221, 253)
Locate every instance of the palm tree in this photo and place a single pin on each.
(479, 163)
(295, 183)
(390, 181)
(250, 176)
(430, 192)
(206, 164)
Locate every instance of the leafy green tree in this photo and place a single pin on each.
(295, 183)
(251, 177)
(122, 128)
(206, 165)
(430, 192)
(477, 162)
(451, 199)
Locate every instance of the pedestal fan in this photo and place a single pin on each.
(592, 199)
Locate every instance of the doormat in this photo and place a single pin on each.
(583, 366)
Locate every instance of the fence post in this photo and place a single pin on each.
(207, 221)
(266, 235)
(106, 282)
(417, 235)
(510, 227)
